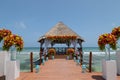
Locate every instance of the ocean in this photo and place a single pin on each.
(97, 57)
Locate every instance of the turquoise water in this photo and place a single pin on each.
(98, 55)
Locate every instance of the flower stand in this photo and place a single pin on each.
(118, 61)
(109, 69)
(13, 54)
(4, 56)
(12, 70)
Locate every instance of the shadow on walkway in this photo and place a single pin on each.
(97, 77)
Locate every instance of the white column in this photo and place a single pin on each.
(118, 61)
(4, 56)
(12, 70)
(47, 42)
(109, 70)
(104, 68)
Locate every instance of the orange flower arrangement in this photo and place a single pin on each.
(107, 39)
(61, 37)
(70, 51)
(116, 32)
(4, 33)
(51, 51)
(11, 40)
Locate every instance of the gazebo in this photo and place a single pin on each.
(60, 34)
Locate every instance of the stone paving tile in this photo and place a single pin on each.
(61, 69)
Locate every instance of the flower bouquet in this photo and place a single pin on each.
(116, 32)
(107, 39)
(70, 51)
(13, 40)
(51, 52)
(62, 37)
(4, 33)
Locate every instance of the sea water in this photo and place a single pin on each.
(97, 57)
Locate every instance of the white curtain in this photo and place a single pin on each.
(74, 43)
(47, 42)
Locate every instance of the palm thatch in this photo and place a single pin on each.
(60, 29)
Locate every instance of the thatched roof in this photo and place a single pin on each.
(60, 29)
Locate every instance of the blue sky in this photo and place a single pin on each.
(33, 18)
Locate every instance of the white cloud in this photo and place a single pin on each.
(113, 24)
(20, 25)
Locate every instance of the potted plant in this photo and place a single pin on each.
(108, 41)
(70, 51)
(4, 55)
(11, 68)
(15, 43)
(116, 33)
(51, 52)
(11, 42)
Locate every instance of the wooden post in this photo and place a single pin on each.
(81, 55)
(90, 62)
(31, 61)
(41, 53)
(81, 58)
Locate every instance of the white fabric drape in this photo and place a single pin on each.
(74, 43)
(47, 42)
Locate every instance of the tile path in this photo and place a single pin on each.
(61, 69)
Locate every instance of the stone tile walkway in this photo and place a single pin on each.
(60, 69)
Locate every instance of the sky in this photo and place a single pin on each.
(31, 19)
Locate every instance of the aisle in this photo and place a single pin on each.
(60, 69)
